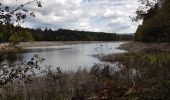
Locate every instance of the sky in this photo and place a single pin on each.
(88, 15)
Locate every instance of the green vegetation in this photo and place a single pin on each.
(10, 16)
(74, 35)
(24, 35)
(156, 24)
(60, 35)
(14, 35)
(8, 53)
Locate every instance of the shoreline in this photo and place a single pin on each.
(133, 47)
(58, 43)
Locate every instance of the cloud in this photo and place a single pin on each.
(90, 15)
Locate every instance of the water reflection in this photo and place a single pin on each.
(73, 55)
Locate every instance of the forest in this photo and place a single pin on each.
(74, 35)
(63, 35)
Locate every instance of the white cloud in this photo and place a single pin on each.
(90, 15)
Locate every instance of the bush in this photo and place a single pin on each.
(9, 53)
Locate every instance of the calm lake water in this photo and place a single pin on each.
(72, 56)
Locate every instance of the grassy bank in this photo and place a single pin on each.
(140, 47)
(150, 64)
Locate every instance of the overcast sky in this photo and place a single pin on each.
(89, 15)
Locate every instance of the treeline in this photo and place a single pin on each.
(14, 35)
(57, 35)
(74, 35)
(156, 24)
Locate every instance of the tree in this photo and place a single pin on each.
(147, 9)
(15, 34)
(9, 17)
(156, 24)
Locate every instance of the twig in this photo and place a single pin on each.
(130, 90)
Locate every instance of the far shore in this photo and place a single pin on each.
(58, 43)
(53, 43)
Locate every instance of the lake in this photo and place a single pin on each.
(72, 56)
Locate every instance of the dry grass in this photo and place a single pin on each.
(79, 85)
(140, 47)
